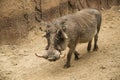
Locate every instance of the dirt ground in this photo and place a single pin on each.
(18, 62)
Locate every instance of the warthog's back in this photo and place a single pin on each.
(82, 24)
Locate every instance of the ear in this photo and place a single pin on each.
(63, 24)
(44, 26)
(63, 21)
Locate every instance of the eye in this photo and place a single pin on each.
(48, 26)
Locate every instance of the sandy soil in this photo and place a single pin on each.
(18, 62)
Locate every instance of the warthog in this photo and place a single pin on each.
(69, 30)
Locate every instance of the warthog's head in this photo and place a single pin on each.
(57, 41)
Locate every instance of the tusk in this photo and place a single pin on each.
(65, 35)
(62, 56)
(39, 55)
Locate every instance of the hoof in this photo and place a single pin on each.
(77, 58)
(76, 55)
(88, 51)
(95, 49)
(66, 66)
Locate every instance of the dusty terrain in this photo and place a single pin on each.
(18, 62)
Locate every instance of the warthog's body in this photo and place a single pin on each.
(72, 29)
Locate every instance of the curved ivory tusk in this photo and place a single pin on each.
(62, 56)
(64, 34)
(39, 55)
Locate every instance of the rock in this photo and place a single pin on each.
(102, 67)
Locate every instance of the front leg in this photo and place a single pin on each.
(71, 50)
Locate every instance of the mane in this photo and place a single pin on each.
(84, 19)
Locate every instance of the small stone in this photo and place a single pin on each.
(111, 26)
(102, 67)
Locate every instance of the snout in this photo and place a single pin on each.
(51, 55)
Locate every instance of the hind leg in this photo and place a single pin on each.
(89, 46)
(76, 55)
(95, 43)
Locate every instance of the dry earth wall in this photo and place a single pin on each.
(18, 17)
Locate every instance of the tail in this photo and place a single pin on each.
(99, 21)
